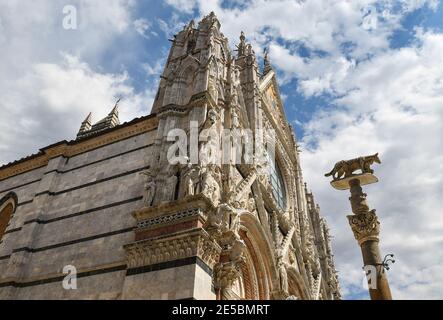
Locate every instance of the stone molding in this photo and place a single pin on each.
(195, 243)
(172, 211)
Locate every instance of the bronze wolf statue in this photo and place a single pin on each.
(345, 168)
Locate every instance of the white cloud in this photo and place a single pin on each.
(142, 26)
(186, 6)
(51, 100)
(46, 85)
(172, 26)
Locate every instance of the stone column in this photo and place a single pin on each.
(366, 228)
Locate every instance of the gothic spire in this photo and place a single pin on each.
(242, 45)
(267, 63)
(86, 125)
(110, 121)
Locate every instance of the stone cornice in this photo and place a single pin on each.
(198, 201)
(71, 148)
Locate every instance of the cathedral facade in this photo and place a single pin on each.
(202, 199)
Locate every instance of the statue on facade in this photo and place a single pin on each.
(283, 275)
(170, 184)
(150, 188)
(191, 184)
(210, 186)
(211, 119)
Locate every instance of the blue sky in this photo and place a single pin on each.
(357, 77)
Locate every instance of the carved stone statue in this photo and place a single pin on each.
(345, 168)
(191, 180)
(211, 119)
(235, 120)
(170, 185)
(236, 255)
(150, 188)
(210, 186)
(283, 275)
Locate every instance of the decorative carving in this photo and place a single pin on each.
(365, 226)
(283, 275)
(164, 219)
(225, 274)
(211, 119)
(191, 183)
(210, 186)
(364, 223)
(345, 168)
(153, 251)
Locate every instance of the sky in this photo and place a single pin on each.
(357, 77)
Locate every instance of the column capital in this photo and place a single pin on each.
(365, 226)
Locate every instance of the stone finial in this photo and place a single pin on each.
(112, 119)
(242, 45)
(267, 63)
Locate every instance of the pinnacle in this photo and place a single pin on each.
(88, 118)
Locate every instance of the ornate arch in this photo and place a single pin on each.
(182, 87)
(8, 205)
(285, 165)
(288, 177)
(259, 274)
(296, 285)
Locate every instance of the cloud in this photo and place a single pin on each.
(52, 77)
(172, 26)
(49, 103)
(142, 26)
(186, 6)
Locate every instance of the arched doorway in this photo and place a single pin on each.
(8, 205)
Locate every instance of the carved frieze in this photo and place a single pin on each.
(162, 249)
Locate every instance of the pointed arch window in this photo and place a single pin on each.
(8, 205)
(277, 183)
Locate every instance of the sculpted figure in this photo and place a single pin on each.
(345, 168)
(226, 217)
(150, 187)
(191, 180)
(211, 119)
(237, 249)
(210, 186)
(170, 186)
(235, 120)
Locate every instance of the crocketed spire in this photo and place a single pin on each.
(110, 121)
